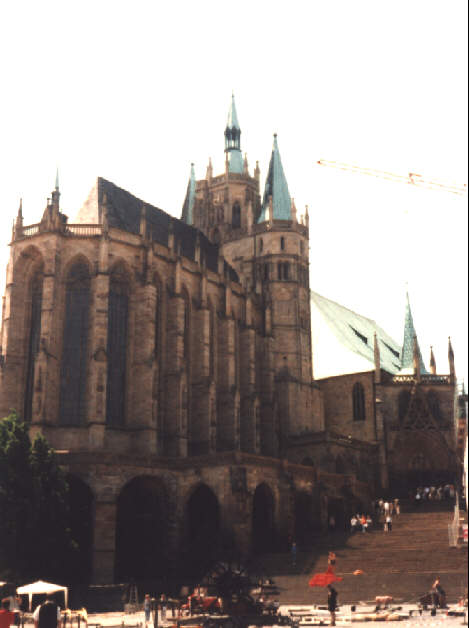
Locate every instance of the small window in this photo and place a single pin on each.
(358, 395)
(236, 216)
(359, 335)
(282, 244)
(302, 247)
(261, 245)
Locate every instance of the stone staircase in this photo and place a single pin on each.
(402, 563)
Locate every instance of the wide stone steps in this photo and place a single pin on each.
(402, 563)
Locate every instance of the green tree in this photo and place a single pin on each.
(35, 541)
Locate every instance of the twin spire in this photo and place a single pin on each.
(276, 203)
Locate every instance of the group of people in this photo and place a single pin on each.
(46, 615)
(434, 493)
(385, 507)
(360, 523)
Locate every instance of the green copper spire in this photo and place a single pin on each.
(187, 208)
(233, 140)
(407, 356)
(277, 188)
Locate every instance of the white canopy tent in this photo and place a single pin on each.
(41, 587)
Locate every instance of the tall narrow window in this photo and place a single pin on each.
(403, 402)
(73, 371)
(33, 346)
(358, 394)
(261, 245)
(236, 216)
(282, 243)
(118, 312)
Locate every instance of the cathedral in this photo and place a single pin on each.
(170, 364)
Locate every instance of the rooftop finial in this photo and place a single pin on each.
(57, 179)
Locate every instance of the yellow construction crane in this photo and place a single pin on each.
(412, 177)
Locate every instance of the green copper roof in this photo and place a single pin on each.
(407, 362)
(232, 122)
(233, 140)
(276, 186)
(187, 215)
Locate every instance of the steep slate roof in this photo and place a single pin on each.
(408, 344)
(343, 341)
(124, 211)
(188, 206)
(276, 186)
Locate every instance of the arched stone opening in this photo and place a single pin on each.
(81, 521)
(421, 458)
(303, 519)
(202, 534)
(263, 520)
(142, 550)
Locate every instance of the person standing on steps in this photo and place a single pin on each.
(293, 553)
(331, 602)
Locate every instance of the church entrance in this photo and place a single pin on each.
(141, 531)
(202, 532)
(263, 520)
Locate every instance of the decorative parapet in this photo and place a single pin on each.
(424, 379)
(78, 230)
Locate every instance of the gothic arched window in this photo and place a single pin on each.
(282, 243)
(118, 314)
(73, 370)
(236, 216)
(404, 400)
(358, 394)
(33, 345)
(434, 405)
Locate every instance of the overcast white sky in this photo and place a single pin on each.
(135, 91)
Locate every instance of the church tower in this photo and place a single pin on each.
(268, 245)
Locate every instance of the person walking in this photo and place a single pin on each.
(47, 614)
(389, 523)
(331, 602)
(147, 608)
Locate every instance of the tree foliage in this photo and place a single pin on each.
(35, 540)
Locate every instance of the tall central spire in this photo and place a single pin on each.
(410, 344)
(233, 140)
(276, 194)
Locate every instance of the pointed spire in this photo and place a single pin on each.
(57, 180)
(432, 362)
(233, 140)
(409, 346)
(377, 357)
(56, 193)
(245, 164)
(276, 187)
(188, 206)
(209, 173)
(452, 370)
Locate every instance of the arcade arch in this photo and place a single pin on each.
(142, 530)
(263, 520)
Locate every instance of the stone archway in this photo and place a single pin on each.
(263, 520)
(202, 531)
(142, 548)
(420, 458)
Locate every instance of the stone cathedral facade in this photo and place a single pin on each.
(169, 362)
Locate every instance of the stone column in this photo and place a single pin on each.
(97, 377)
(104, 548)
